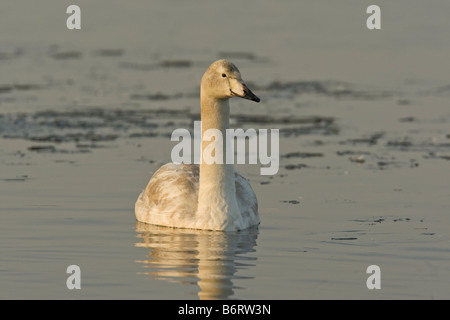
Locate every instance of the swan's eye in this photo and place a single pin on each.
(224, 75)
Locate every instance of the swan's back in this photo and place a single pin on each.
(171, 198)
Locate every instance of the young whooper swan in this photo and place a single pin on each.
(206, 196)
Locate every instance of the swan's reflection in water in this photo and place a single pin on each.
(209, 259)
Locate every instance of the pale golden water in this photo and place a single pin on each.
(364, 119)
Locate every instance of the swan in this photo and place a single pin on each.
(209, 196)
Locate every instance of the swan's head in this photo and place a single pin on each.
(223, 80)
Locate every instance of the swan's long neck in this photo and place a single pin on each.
(217, 203)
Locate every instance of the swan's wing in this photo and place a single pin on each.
(171, 196)
(246, 199)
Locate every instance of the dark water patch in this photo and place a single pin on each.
(400, 143)
(91, 146)
(87, 112)
(98, 118)
(295, 166)
(162, 96)
(93, 136)
(11, 53)
(50, 138)
(352, 153)
(26, 87)
(8, 88)
(74, 137)
(302, 155)
(102, 124)
(320, 142)
(13, 180)
(370, 140)
(344, 238)
(91, 124)
(42, 148)
(385, 164)
(441, 145)
(66, 55)
(413, 163)
(443, 90)
(298, 87)
(403, 102)
(290, 201)
(152, 97)
(144, 135)
(110, 52)
(288, 119)
(390, 219)
(237, 55)
(336, 89)
(309, 130)
(20, 178)
(407, 119)
(144, 66)
(297, 250)
(5, 89)
(406, 144)
(351, 231)
(370, 220)
(5, 56)
(18, 153)
(176, 63)
(71, 123)
(401, 219)
(433, 155)
(64, 161)
(53, 149)
(138, 66)
(308, 124)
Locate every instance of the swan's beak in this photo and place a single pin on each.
(239, 89)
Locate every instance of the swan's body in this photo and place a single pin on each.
(209, 196)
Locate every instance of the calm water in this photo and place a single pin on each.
(364, 118)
